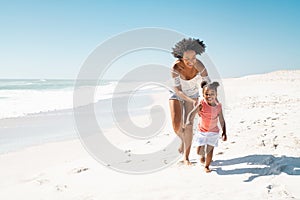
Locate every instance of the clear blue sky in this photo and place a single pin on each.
(51, 39)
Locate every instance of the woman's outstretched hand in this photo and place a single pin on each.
(196, 103)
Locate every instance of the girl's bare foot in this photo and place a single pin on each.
(206, 169)
(202, 159)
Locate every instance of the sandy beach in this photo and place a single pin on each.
(260, 160)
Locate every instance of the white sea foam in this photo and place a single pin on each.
(20, 97)
(21, 102)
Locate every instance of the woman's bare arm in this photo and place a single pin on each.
(201, 68)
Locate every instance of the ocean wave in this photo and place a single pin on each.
(23, 97)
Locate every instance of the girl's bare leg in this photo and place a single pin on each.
(209, 155)
(201, 152)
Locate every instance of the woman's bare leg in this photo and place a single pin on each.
(176, 117)
(188, 131)
(187, 140)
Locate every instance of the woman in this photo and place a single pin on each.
(187, 73)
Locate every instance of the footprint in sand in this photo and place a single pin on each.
(128, 152)
(61, 188)
(79, 170)
(37, 177)
(262, 143)
(275, 144)
(42, 181)
(269, 188)
(278, 190)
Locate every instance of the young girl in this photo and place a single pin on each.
(207, 135)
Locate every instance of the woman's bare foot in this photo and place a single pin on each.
(202, 159)
(206, 169)
(187, 162)
(180, 149)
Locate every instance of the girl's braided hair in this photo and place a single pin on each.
(211, 86)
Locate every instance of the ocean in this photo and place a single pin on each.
(36, 111)
(21, 97)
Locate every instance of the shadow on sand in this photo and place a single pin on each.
(269, 165)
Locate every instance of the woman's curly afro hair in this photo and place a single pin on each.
(188, 44)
